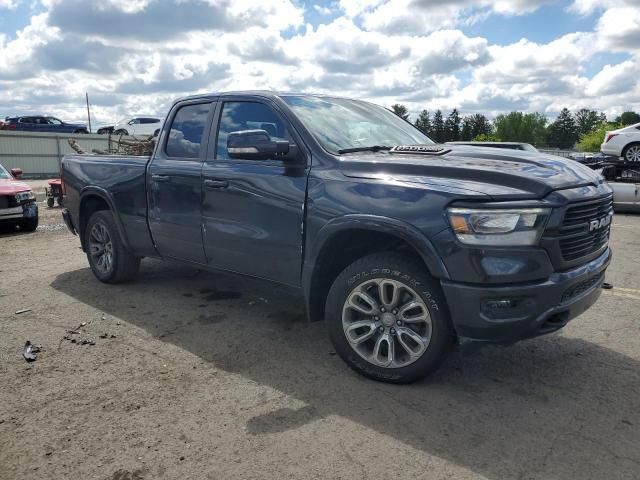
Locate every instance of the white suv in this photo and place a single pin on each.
(138, 126)
(624, 142)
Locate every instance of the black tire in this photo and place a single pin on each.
(81, 130)
(405, 270)
(121, 132)
(626, 151)
(123, 266)
(29, 224)
(50, 202)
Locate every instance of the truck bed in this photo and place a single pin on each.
(122, 179)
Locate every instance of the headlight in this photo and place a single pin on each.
(489, 227)
(22, 197)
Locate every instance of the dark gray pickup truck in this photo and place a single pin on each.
(401, 245)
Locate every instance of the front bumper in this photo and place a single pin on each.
(19, 212)
(508, 313)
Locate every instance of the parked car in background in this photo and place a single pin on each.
(17, 203)
(588, 158)
(41, 123)
(506, 145)
(624, 142)
(622, 176)
(138, 126)
(105, 130)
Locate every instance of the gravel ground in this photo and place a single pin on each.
(196, 375)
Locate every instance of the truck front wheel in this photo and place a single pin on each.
(108, 258)
(387, 318)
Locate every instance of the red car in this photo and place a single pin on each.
(17, 203)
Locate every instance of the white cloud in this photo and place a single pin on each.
(614, 79)
(619, 28)
(423, 16)
(322, 10)
(133, 57)
(9, 4)
(518, 7)
(530, 63)
(587, 7)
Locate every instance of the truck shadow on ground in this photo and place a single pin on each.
(545, 408)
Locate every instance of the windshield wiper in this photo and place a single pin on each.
(373, 148)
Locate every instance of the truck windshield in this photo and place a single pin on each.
(4, 173)
(340, 124)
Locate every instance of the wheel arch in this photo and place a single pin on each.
(94, 199)
(629, 145)
(345, 239)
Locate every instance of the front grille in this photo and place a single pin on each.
(8, 201)
(586, 211)
(577, 240)
(580, 288)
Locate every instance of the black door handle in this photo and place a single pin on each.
(161, 178)
(212, 184)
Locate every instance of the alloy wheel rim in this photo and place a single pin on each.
(633, 154)
(101, 248)
(386, 323)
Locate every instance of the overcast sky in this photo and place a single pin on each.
(487, 56)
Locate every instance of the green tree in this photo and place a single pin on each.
(474, 125)
(452, 127)
(628, 118)
(588, 120)
(423, 123)
(401, 111)
(591, 141)
(484, 137)
(521, 127)
(563, 132)
(437, 127)
(465, 131)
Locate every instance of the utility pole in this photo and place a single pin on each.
(88, 112)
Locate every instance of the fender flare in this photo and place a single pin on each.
(392, 226)
(106, 196)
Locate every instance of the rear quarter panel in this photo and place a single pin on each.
(120, 181)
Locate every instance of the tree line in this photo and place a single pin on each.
(584, 127)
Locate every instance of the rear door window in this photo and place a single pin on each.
(187, 127)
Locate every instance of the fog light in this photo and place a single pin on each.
(500, 304)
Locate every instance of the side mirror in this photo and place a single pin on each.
(255, 145)
(16, 172)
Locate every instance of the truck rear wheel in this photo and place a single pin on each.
(388, 320)
(108, 258)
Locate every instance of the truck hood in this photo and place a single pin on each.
(498, 173)
(11, 187)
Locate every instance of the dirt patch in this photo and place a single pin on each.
(216, 295)
(250, 390)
